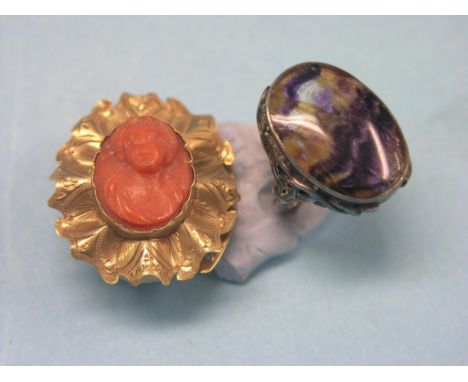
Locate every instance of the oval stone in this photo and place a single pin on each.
(143, 174)
(337, 131)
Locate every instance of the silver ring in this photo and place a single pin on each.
(331, 140)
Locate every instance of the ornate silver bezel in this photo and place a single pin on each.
(293, 185)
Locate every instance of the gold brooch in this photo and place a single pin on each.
(146, 190)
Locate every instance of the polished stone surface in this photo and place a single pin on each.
(143, 174)
(337, 130)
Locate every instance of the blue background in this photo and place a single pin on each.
(385, 288)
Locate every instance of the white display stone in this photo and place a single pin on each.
(262, 231)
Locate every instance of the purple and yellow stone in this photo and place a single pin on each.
(337, 132)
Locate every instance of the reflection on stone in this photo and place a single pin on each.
(337, 131)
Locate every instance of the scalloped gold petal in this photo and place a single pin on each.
(77, 157)
(73, 195)
(209, 262)
(202, 138)
(115, 256)
(84, 247)
(153, 263)
(79, 224)
(86, 130)
(107, 118)
(227, 154)
(213, 156)
(188, 244)
(215, 201)
(213, 216)
(180, 117)
(207, 171)
(147, 104)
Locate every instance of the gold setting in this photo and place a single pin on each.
(192, 242)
